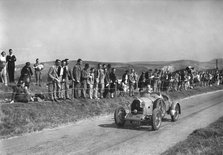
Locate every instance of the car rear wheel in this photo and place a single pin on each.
(119, 116)
(156, 119)
(176, 114)
(161, 105)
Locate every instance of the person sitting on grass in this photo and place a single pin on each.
(21, 93)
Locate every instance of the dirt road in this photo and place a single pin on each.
(100, 136)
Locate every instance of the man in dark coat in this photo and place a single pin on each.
(66, 77)
(26, 74)
(11, 65)
(107, 81)
(84, 77)
(113, 83)
(77, 78)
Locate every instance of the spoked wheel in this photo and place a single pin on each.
(161, 106)
(176, 114)
(119, 116)
(156, 119)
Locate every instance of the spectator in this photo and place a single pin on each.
(91, 82)
(131, 80)
(96, 82)
(159, 83)
(60, 75)
(84, 79)
(3, 76)
(101, 79)
(21, 93)
(53, 81)
(77, 78)
(136, 80)
(113, 83)
(142, 81)
(26, 74)
(155, 81)
(125, 79)
(67, 75)
(107, 81)
(11, 59)
(38, 67)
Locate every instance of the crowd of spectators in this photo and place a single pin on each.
(82, 81)
(102, 81)
(185, 79)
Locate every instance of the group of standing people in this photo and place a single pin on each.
(179, 80)
(7, 67)
(80, 81)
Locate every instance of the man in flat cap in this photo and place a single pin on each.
(53, 81)
(66, 77)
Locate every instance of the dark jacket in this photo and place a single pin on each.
(11, 60)
(26, 71)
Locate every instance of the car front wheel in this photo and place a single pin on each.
(156, 119)
(119, 116)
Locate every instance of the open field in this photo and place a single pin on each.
(207, 140)
(19, 118)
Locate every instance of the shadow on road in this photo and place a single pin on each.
(133, 126)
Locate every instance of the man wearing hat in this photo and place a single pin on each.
(67, 75)
(53, 81)
(77, 78)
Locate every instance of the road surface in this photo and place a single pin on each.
(100, 136)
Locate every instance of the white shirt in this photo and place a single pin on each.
(3, 59)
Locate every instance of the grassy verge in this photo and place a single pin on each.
(19, 118)
(203, 141)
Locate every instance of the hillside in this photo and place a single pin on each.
(138, 66)
(181, 64)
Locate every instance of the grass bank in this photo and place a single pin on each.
(19, 118)
(204, 141)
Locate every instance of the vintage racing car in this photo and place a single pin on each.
(150, 108)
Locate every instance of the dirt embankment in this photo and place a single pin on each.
(19, 118)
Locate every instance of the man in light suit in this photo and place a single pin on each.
(53, 80)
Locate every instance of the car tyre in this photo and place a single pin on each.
(176, 115)
(160, 105)
(156, 119)
(119, 116)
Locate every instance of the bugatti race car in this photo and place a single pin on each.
(150, 109)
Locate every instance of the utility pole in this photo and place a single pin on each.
(217, 64)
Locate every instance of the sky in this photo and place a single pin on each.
(112, 30)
